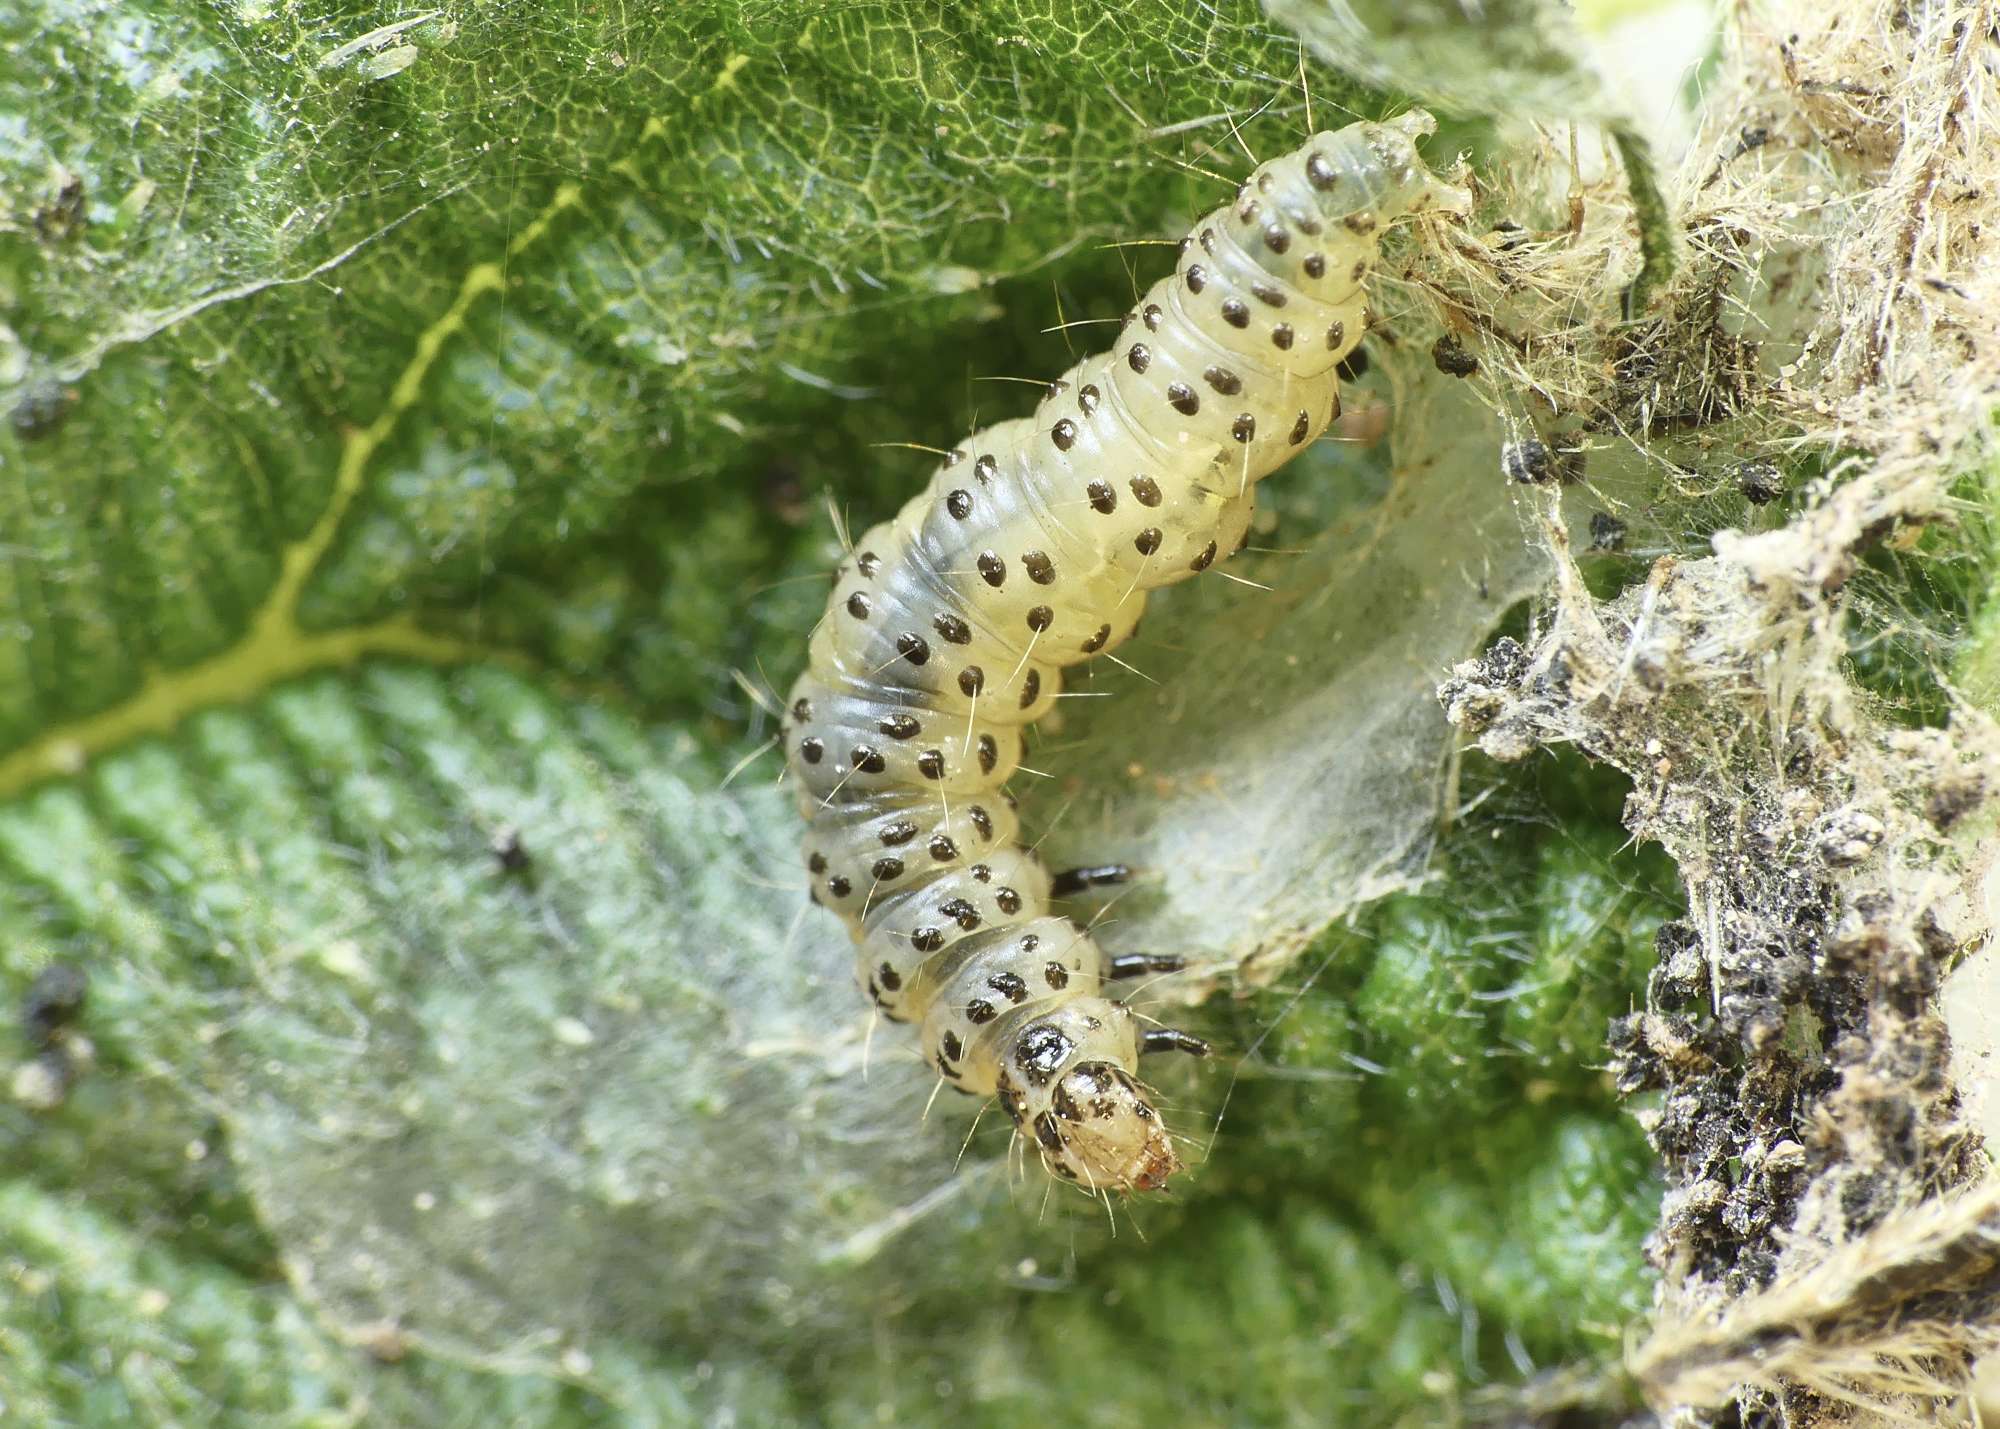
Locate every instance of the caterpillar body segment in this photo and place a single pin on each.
(1032, 548)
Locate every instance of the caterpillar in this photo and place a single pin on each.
(1032, 548)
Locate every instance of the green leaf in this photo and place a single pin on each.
(101, 1327)
(549, 1118)
(418, 348)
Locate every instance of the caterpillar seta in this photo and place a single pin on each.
(1033, 547)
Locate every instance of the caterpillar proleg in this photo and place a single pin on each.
(1032, 548)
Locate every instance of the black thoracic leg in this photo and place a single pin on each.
(1140, 964)
(1075, 880)
(1171, 1039)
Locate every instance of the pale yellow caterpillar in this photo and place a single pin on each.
(1032, 548)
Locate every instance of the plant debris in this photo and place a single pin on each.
(1842, 245)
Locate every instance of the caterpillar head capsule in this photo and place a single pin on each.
(1065, 1084)
(1101, 1132)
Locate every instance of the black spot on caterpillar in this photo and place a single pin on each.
(1138, 467)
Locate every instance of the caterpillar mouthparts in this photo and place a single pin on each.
(1032, 548)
